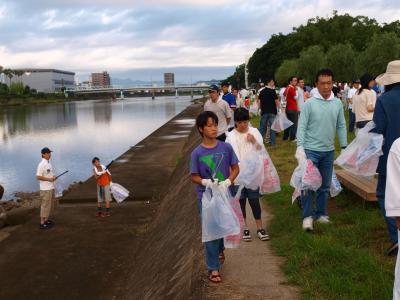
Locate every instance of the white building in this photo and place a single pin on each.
(45, 80)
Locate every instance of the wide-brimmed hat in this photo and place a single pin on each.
(392, 74)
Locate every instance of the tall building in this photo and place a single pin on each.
(101, 79)
(169, 79)
(45, 80)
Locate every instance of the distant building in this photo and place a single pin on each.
(169, 79)
(45, 80)
(101, 79)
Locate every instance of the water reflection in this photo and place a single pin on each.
(76, 131)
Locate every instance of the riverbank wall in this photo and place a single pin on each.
(150, 247)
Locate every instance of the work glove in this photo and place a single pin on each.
(207, 183)
(226, 183)
(300, 154)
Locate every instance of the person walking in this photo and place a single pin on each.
(221, 109)
(291, 109)
(364, 101)
(269, 105)
(320, 118)
(387, 122)
(301, 92)
(350, 95)
(230, 99)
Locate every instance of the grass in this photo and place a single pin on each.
(343, 260)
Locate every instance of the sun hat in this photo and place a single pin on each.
(392, 74)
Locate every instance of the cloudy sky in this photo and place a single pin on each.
(201, 39)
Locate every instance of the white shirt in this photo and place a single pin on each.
(222, 110)
(300, 98)
(313, 92)
(350, 95)
(392, 194)
(45, 169)
(99, 173)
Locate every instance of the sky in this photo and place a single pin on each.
(197, 39)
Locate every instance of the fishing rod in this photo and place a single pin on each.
(62, 174)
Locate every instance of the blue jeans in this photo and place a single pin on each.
(390, 222)
(266, 120)
(212, 249)
(324, 162)
(352, 120)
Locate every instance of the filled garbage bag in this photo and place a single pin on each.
(233, 241)
(254, 109)
(119, 192)
(270, 183)
(336, 187)
(281, 122)
(361, 157)
(58, 190)
(218, 219)
(306, 176)
(251, 172)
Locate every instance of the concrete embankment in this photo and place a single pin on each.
(148, 249)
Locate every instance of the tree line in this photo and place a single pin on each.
(350, 46)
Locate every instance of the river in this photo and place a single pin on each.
(76, 132)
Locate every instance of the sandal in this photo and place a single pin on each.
(214, 278)
(221, 258)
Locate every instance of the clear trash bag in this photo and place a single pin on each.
(361, 157)
(251, 172)
(270, 183)
(218, 219)
(336, 187)
(233, 241)
(281, 122)
(306, 176)
(58, 190)
(119, 192)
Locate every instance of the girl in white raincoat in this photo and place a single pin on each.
(247, 143)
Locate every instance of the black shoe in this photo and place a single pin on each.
(262, 235)
(44, 226)
(246, 235)
(49, 223)
(393, 249)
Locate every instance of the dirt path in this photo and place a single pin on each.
(252, 271)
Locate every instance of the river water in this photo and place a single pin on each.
(76, 132)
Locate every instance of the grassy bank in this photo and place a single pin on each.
(17, 101)
(343, 260)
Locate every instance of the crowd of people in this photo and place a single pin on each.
(318, 117)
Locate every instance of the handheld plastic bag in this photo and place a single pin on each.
(281, 122)
(254, 109)
(306, 176)
(233, 241)
(251, 172)
(336, 187)
(58, 190)
(271, 183)
(361, 157)
(217, 217)
(119, 192)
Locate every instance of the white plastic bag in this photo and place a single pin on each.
(251, 172)
(281, 122)
(361, 157)
(306, 176)
(336, 187)
(271, 183)
(254, 109)
(119, 192)
(58, 190)
(218, 220)
(233, 241)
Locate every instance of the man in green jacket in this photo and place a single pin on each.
(321, 117)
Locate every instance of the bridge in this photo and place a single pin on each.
(121, 89)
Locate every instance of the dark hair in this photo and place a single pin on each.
(324, 72)
(300, 78)
(241, 114)
(224, 83)
(202, 119)
(365, 80)
(268, 79)
(291, 78)
(95, 159)
(235, 88)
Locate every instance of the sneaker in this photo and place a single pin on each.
(107, 214)
(262, 235)
(246, 235)
(323, 220)
(308, 224)
(393, 249)
(44, 226)
(49, 223)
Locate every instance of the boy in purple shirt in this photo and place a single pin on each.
(212, 162)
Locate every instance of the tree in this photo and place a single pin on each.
(9, 73)
(286, 69)
(238, 78)
(341, 59)
(382, 49)
(310, 62)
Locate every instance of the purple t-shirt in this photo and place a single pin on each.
(212, 163)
